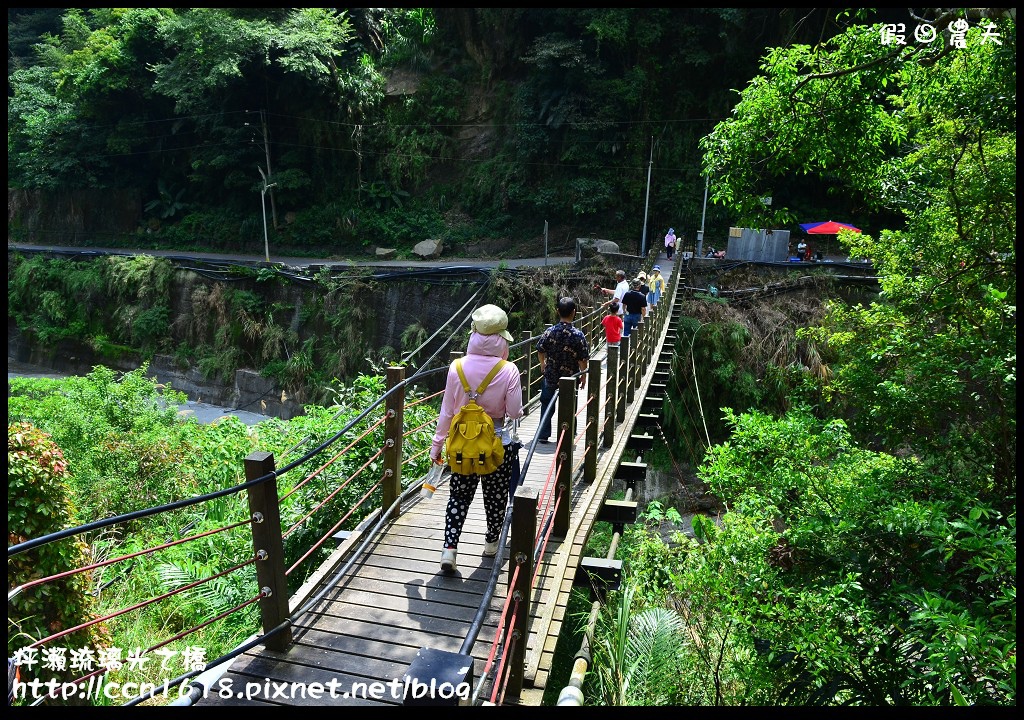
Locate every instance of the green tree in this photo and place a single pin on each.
(929, 133)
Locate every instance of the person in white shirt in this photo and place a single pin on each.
(620, 289)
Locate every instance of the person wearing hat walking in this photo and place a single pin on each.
(657, 283)
(502, 400)
(670, 243)
(635, 303)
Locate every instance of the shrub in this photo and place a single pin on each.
(38, 503)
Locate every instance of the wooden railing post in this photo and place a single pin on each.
(593, 398)
(632, 353)
(620, 394)
(641, 365)
(521, 549)
(610, 389)
(564, 461)
(640, 349)
(267, 543)
(648, 337)
(394, 427)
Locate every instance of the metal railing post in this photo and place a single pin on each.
(267, 543)
(394, 425)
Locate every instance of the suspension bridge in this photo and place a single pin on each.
(379, 623)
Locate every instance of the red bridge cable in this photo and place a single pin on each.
(409, 432)
(142, 604)
(501, 666)
(544, 545)
(501, 621)
(330, 532)
(180, 635)
(581, 434)
(408, 460)
(323, 467)
(504, 682)
(111, 561)
(544, 494)
(327, 499)
(414, 403)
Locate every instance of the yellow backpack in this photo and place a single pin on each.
(473, 447)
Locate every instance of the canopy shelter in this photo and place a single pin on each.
(829, 227)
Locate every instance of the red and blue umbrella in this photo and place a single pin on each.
(828, 227)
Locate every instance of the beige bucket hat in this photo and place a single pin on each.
(491, 320)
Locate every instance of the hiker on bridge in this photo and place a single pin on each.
(502, 400)
(563, 351)
(620, 289)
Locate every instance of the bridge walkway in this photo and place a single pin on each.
(362, 636)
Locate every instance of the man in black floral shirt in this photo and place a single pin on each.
(563, 351)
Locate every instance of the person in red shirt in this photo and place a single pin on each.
(612, 324)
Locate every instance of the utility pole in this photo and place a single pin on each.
(703, 214)
(266, 150)
(647, 203)
(263, 205)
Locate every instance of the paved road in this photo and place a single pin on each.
(296, 262)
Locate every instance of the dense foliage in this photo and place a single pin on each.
(866, 451)
(39, 502)
(868, 551)
(381, 126)
(118, 446)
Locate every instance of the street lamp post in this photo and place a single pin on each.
(263, 205)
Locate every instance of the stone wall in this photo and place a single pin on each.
(390, 308)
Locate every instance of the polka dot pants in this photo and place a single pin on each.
(462, 490)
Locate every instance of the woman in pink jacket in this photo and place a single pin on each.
(502, 400)
(670, 243)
